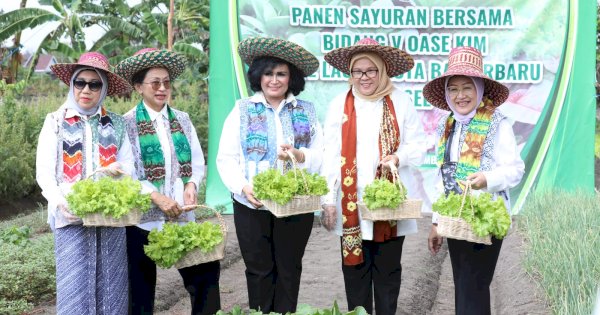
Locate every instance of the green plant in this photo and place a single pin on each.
(167, 246)
(108, 196)
(303, 309)
(382, 193)
(16, 235)
(272, 185)
(562, 241)
(28, 274)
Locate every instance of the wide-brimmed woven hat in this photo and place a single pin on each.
(465, 61)
(116, 84)
(251, 48)
(397, 61)
(151, 58)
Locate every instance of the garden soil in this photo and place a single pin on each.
(426, 288)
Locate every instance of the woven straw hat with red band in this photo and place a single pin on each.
(465, 61)
(116, 84)
(151, 58)
(397, 61)
(254, 47)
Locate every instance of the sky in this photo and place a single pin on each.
(31, 38)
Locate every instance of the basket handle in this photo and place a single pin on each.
(395, 176)
(467, 191)
(219, 216)
(296, 170)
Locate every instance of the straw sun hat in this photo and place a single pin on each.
(396, 60)
(96, 60)
(254, 47)
(151, 58)
(466, 61)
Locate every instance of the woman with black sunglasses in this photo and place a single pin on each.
(170, 163)
(82, 138)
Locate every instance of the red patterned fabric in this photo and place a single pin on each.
(389, 136)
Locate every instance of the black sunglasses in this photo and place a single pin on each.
(94, 85)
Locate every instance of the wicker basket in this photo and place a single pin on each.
(196, 256)
(97, 219)
(298, 205)
(409, 209)
(458, 228)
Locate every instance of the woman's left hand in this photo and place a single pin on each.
(478, 180)
(385, 162)
(190, 195)
(282, 153)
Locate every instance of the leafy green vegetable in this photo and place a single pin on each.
(487, 216)
(271, 185)
(382, 193)
(111, 197)
(167, 246)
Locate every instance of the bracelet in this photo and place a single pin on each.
(302, 160)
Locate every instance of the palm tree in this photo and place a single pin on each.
(69, 28)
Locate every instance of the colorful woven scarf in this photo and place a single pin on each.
(389, 135)
(256, 133)
(73, 144)
(469, 161)
(152, 153)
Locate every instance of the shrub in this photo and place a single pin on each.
(28, 274)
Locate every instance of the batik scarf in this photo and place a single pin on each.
(389, 140)
(152, 153)
(469, 161)
(73, 129)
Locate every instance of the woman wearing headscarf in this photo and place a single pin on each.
(170, 163)
(475, 144)
(259, 131)
(80, 139)
(369, 127)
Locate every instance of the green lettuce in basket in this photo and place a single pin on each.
(382, 193)
(108, 196)
(487, 217)
(167, 246)
(272, 185)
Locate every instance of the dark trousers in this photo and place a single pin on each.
(380, 272)
(272, 249)
(201, 281)
(473, 268)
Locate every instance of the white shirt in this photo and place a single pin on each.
(231, 162)
(410, 152)
(507, 167)
(175, 191)
(47, 159)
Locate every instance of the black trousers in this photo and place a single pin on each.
(473, 268)
(201, 281)
(272, 249)
(380, 272)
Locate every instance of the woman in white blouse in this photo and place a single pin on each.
(369, 127)
(170, 163)
(476, 144)
(78, 140)
(256, 136)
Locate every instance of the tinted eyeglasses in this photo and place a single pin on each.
(156, 84)
(94, 85)
(357, 74)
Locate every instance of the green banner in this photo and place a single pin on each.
(541, 49)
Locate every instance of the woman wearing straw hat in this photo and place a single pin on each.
(476, 144)
(260, 130)
(79, 139)
(369, 127)
(170, 163)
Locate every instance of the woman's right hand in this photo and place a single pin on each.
(435, 240)
(169, 206)
(329, 217)
(248, 192)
